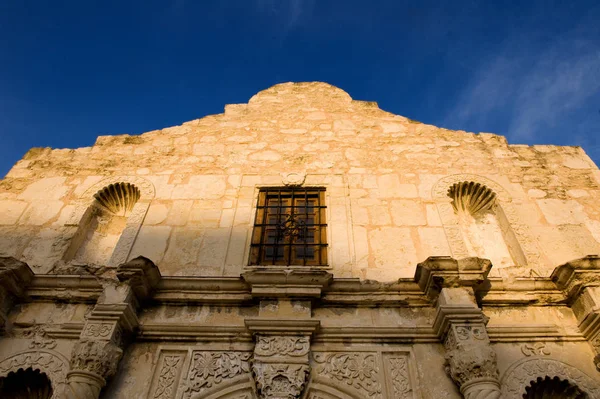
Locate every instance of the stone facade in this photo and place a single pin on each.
(457, 265)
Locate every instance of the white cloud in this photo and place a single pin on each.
(537, 88)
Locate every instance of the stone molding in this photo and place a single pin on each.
(520, 374)
(49, 362)
(287, 283)
(576, 275)
(437, 272)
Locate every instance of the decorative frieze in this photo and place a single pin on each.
(358, 370)
(209, 369)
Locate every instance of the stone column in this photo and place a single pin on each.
(580, 282)
(460, 324)
(15, 277)
(283, 328)
(109, 328)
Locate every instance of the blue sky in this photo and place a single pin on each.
(73, 70)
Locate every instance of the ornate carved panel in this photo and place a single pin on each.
(398, 375)
(209, 369)
(359, 370)
(167, 374)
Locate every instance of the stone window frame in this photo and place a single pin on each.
(256, 182)
(450, 220)
(293, 194)
(83, 206)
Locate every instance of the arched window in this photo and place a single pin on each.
(25, 384)
(553, 388)
(103, 223)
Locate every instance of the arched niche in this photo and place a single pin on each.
(26, 384)
(479, 219)
(107, 219)
(530, 373)
(52, 364)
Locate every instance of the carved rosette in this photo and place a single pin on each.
(471, 361)
(280, 365)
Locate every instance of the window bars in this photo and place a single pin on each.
(290, 227)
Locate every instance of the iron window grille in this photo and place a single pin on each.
(290, 227)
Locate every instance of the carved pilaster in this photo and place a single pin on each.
(580, 282)
(280, 365)
(460, 324)
(15, 276)
(113, 320)
(471, 361)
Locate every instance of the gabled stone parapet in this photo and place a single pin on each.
(580, 281)
(15, 277)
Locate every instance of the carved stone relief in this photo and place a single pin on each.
(522, 373)
(280, 365)
(519, 240)
(358, 370)
(167, 376)
(208, 369)
(398, 376)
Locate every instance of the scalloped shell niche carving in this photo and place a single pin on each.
(104, 223)
(485, 229)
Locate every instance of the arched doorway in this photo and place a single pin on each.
(25, 384)
(553, 388)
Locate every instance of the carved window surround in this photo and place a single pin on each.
(85, 204)
(451, 223)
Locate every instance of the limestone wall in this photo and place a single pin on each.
(384, 176)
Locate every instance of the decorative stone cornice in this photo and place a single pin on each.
(287, 283)
(437, 272)
(579, 279)
(15, 277)
(141, 275)
(574, 276)
(266, 326)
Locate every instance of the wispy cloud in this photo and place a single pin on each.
(540, 90)
(286, 14)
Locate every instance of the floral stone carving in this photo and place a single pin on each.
(471, 361)
(358, 370)
(98, 357)
(292, 346)
(280, 381)
(211, 368)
